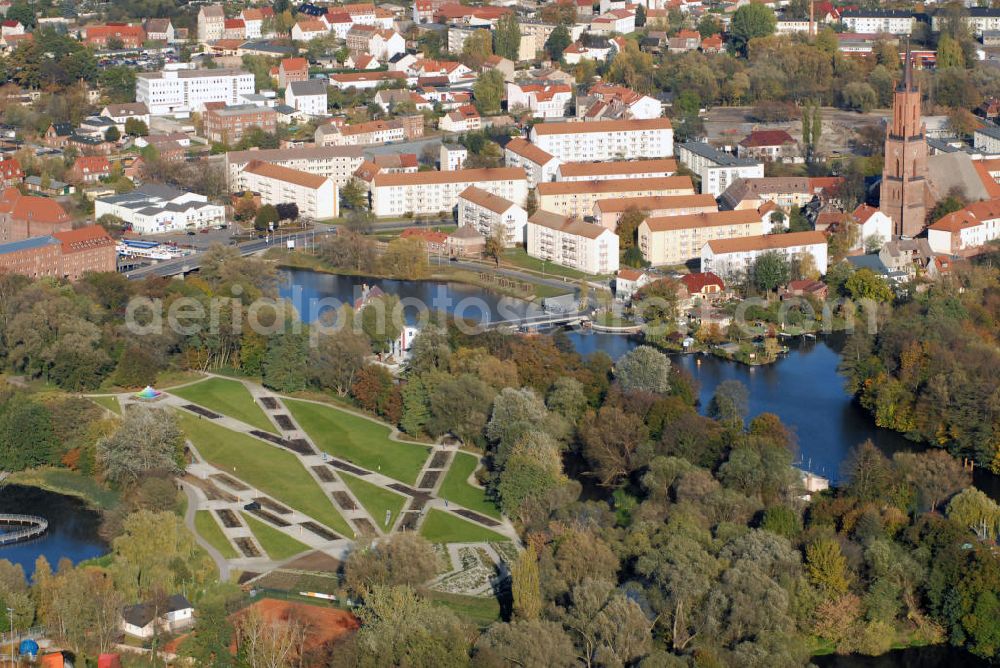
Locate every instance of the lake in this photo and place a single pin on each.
(803, 388)
(73, 527)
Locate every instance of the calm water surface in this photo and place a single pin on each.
(73, 527)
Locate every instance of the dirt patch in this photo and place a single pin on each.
(344, 500)
(297, 445)
(270, 403)
(212, 493)
(228, 518)
(320, 531)
(318, 562)
(284, 422)
(324, 473)
(230, 481)
(403, 489)
(324, 624)
(430, 479)
(364, 527)
(247, 547)
(273, 506)
(476, 517)
(344, 466)
(409, 521)
(440, 460)
(204, 412)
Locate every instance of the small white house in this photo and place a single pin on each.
(140, 620)
(404, 343)
(628, 282)
(309, 97)
(875, 227)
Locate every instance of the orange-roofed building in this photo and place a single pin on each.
(85, 250)
(90, 169)
(25, 216)
(128, 35)
(10, 172)
(436, 242)
(315, 195)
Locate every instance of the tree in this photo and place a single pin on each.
(516, 414)
(531, 206)
(769, 271)
(382, 322)
(507, 37)
(934, 474)
(112, 134)
(530, 471)
(525, 588)
(287, 211)
(949, 52)
(644, 369)
(750, 21)
(827, 567)
(488, 92)
(336, 358)
(975, 511)
(148, 439)
(495, 246)
(267, 643)
(866, 284)
(135, 127)
(609, 628)
(525, 642)
(266, 219)
(26, 436)
(400, 559)
(859, 96)
(611, 439)
(476, 49)
(557, 42)
(730, 403)
(353, 194)
(406, 257)
(285, 361)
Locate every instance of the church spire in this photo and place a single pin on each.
(908, 69)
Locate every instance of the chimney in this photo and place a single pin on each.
(812, 18)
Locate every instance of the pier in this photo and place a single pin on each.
(33, 526)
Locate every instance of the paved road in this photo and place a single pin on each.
(192, 508)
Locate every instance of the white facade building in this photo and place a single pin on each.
(452, 157)
(735, 257)
(492, 216)
(308, 96)
(605, 140)
(589, 248)
(717, 169)
(184, 91)
(875, 21)
(155, 209)
(975, 225)
(316, 196)
(426, 193)
(337, 162)
(612, 171)
(539, 166)
(543, 100)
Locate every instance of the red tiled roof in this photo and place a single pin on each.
(759, 138)
(428, 236)
(698, 282)
(83, 238)
(28, 207)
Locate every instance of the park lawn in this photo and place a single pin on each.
(359, 440)
(278, 545)
(375, 499)
(210, 530)
(457, 490)
(273, 471)
(229, 397)
(442, 527)
(520, 258)
(109, 402)
(480, 610)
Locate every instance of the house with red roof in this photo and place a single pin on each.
(234, 29)
(130, 36)
(703, 285)
(545, 100)
(436, 242)
(25, 216)
(10, 172)
(11, 27)
(629, 281)
(712, 44)
(769, 146)
(90, 169)
(464, 119)
(292, 69)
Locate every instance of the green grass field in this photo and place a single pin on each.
(229, 397)
(269, 469)
(520, 258)
(359, 441)
(111, 403)
(278, 545)
(456, 489)
(375, 499)
(442, 527)
(481, 611)
(70, 483)
(210, 530)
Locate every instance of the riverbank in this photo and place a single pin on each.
(67, 483)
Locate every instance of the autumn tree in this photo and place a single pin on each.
(488, 92)
(644, 369)
(525, 588)
(400, 559)
(507, 37)
(148, 439)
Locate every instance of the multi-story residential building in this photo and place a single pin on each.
(365, 80)
(717, 169)
(306, 30)
(544, 100)
(229, 124)
(735, 257)
(492, 216)
(618, 21)
(309, 97)
(969, 228)
(154, 209)
(184, 91)
(605, 140)
(90, 169)
(979, 20)
(610, 101)
(609, 171)
(292, 69)
(608, 212)
(428, 193)
(102, 37)
(253, 19)
(785, 191)
(211, 23)
(120, 113)
(576, 198)
(337, 162)
(872, 21)
(537, 164)
(11, 173)
(453, 156)
(674, 240)
(63, 255)
(360, 134)
(538, 31)
(26, 216)
(316, 196)
(464, 119)
(566, 241)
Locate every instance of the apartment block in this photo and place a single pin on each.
(717, 169)
(968, 228)
(577, 198)
(605, 140)
(316, 196)
(429, 193)
(608, 171)
(337, 162)
(539, 166)
(735, 257)
(63, 255)
(229, 124)
(571, 243)
(184, 91)
(608, 212)
(672, 240)
(491, 215)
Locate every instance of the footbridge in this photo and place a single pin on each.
(538, 321)
(32, 526)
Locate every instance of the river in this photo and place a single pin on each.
(72, 533)
(803, 388)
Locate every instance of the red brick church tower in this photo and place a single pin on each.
(904, 177)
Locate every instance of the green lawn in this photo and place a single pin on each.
(278, 545)
(375, 499)
(479, 610)
(70, 483)
(520, 258)
(456, 489)
(111, 403)
(442, 527)
(266, 467)
(209, 529)
(229, 397)
(359, 441)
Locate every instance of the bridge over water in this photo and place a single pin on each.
(32, 527)
(539, 321)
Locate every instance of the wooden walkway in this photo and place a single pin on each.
(34, 526)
